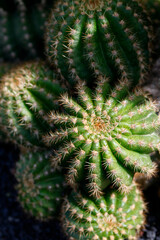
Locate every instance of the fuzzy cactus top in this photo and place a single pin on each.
(105, 135)
(114, 216)
(87, 38)
(29, 92)
(40, 188)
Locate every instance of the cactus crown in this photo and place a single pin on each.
(108, 135)
(40, 188)
(114, 216)
(28, 93)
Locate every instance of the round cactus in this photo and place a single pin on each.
(115, 216)
(28, 92)
(89, 38)
(21, 32)
(40, 188)
(107, 135)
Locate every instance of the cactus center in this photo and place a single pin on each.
(99, 124)
(108, 223)
(28, 182)
(93, 4)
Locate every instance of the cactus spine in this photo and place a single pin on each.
(86, 39)
(108, 135)
(40, 188)
(28, 93)
(115, 216)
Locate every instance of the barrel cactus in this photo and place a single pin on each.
(87, 38)
(115, 216)
(28, 92)
(106, 135)
(40, 188)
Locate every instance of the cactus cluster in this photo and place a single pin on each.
(108, 134)
(88, 38)
(93, 137)
(40, 188)
(115, 216)
(28, 92)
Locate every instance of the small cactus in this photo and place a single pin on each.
(28, 92)
(21, 32)
(115, 216)
(40, 188)
(106, 135)
(87, 38)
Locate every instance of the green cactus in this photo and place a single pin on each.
(28, 92)
(40, 188)
(21, 32)
(87, 38)
(115, 216)
(105, 135)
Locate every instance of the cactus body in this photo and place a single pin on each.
(108, 135)
(40, 188)
(21, 32)
(28, 93)
(91, 38)
(114, 216)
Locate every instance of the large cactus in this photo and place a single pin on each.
(114, 216)
(28, 93)
(90, 38)
(108, 135)
(40, 188)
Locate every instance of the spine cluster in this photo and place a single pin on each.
(86, 39)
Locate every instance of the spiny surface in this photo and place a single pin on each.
(28, 92)
(40, 188)
(92, 38)
(21, 32)
(114, 216)
(106, 135)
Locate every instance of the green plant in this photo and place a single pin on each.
(21, 32)
(28, 92)
(115, 216)
(40, 188)
(106, 135)
(87, 38)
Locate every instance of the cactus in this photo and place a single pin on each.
(107, 135)
(28, 92)
(115, 216)
(40, 188)
(21, 32)
(87, 39)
